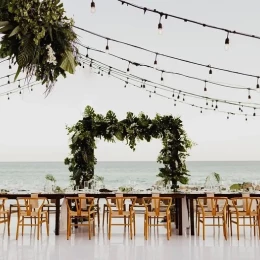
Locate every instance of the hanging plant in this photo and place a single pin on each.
(38, 37)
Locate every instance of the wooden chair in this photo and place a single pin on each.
(4, 214)
(216, 209)
(31, 208)
(157, 208)
(249, 211)
(80, 209)
(119, 211)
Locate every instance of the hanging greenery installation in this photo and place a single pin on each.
(39, 38)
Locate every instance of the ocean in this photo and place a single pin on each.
(31, 175)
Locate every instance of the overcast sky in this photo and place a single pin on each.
(32, 127)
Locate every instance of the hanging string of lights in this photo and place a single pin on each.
(1, 61)
(186, 20)
(145, 82)
(9, 82)
(157, 54)
(19, 89)
(162, 71)
(7, 76)
(100, 71)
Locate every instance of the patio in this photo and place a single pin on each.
(121, 247)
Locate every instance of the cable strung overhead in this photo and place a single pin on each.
(100, 69)
(167, 15)
(162, 71)
(157, 54)
(145, 82)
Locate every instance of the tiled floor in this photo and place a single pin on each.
(121, 247)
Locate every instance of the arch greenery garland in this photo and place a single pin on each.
(133, 128)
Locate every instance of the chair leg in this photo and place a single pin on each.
(38, 228)
(203, 226)
(89, 228)
(103, 221)
(17, 229)
(68, 227)
(47, 224)
(237, 228)
(131, 227)
(109, 226)
(146, 228)
(134, 223)
(22, 225)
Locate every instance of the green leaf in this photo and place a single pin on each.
(26, 53)
(6, 28)
(17, 73)
(15, 31)
(68, 63)
(3, 23)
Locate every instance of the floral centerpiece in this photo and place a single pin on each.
(39, 38)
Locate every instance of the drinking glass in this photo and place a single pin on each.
(86, 185)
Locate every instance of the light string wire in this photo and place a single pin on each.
(97, 67)
(137, 64)
(168, 56)
(161, 86)
(14, 90)
(166, 15)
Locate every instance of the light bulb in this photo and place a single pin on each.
(93, 7)
(227, 44)
(107, 49)
(160, 31)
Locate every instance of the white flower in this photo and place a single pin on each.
(51, 55)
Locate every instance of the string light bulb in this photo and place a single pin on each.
(228, 116)
(249, 96)
(179, 95)
(128, 69)
(173, 93)
(10, 67)
(205, 87)
(154, 90)
(93, 7)
(107, 47)
(160, 27)
(155, 61)
(216, 104)
(210, 70)
(162, 76)
(183, 99)
(254, 114)
(87, 53)
(246, 117)
(201, 110)
(257, 84)
(150, 95)
(227, 42)
(207, 103)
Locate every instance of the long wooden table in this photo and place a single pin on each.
(58, 196)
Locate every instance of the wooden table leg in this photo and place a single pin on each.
(177, 213)
(57, 217)
(191, 216)
(180, 217)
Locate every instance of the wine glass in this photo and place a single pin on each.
(254, 184)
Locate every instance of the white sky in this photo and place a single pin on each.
(32, 127)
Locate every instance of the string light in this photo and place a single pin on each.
(8, 82)
(160, 95)
(93, 7)
(212, 105)
(201, 110)
(228, 116)
(155, 61)
(214, 27)
(257, 84)
(160, 27)
(173, 93)
(205, 87)
(178, 95)
(135, 78)
(183, 99)
(216, 104)
(128, 68)
(107, 47)
(8, 97)
(150, 94)
(254, 114)
(210, 70)
(227, 42)
(162, 76)
(168, 56)
(109, 72)
(249, 96)
(10, 67)
(87, 53)
(207, 103)
(154, 90)
(246, 117)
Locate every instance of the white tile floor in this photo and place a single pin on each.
(121, 247)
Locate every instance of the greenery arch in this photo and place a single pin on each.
(133, 128)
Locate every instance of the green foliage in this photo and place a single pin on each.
(50, 177)
(131, 129)
(29, 27)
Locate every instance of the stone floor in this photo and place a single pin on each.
(121, 247)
